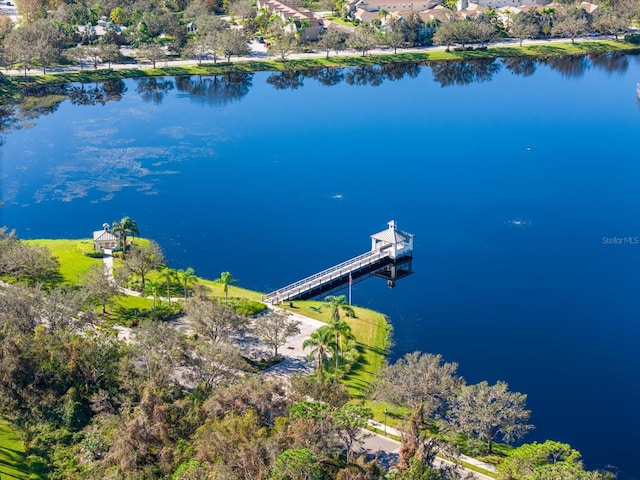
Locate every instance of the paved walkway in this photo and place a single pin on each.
(389, 430)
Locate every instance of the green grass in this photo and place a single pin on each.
(129, 302)
(73, 263)
(13, 458)
(371, 331)
(217, 290)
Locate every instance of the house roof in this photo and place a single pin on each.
(528, 7)
(589, 7)
(365, 16)
(440, 13)
(290, 11)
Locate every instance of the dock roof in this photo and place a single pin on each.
(392, 236)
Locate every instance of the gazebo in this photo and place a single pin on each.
(400, 243)
(104, 239)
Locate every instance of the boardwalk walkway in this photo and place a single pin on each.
(334, 275)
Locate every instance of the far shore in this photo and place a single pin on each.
(259, 61)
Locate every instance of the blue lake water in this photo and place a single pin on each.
(522, 191)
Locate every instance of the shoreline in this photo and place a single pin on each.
(371, 328)
(13, 81)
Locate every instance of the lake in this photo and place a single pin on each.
(519, 179)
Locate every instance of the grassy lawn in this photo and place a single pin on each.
(73, 263)
(13, 460)
(217, 290)
(371, 331)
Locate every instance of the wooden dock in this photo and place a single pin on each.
(387, 247)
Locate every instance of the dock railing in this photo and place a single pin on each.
(317, 279)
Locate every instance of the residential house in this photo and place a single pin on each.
(306, 23)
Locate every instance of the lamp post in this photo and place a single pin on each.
(385, 421)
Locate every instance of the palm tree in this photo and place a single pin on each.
(154, 289)
(168, 275)
(125, 226)
(342, 331)
(187, 277)
(341, 328)
(227, 279)
(338, 303)
(322, 344)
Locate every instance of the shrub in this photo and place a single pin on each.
(246, 306)
(633, 38)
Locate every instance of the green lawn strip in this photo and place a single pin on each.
(130, 302)
(13, 458)
(73, 263)
(394, 417)
(345, 60)
(217, 290)
(371, 331)
(470, 466)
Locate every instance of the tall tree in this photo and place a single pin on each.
(322, 347)
(143, 259)
(274, 328)
(394, 34)
(297, 464)
(418, 380)
(168, 275)
(332, 39)
(98, 287)
(608, 21)
(215, 321)
(523, 28)
(338, 303)
(154, 289)
(363, 39)
(570, 24)
(233, 42)
(341, 329)
(153, 52)
(445, 34)
(126, 226)
(187, 278)
(491, 412)
(351, 421)
(226, 279)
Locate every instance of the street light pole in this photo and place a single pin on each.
(385, 421)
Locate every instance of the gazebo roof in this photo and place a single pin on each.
(392, 235)
(103, 236)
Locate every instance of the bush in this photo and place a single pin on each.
(131, 317)
(633, 38)
(246, 306)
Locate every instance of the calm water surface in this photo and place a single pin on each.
(514, 187)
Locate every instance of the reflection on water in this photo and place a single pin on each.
(523, 66)
(464, 72)
(153, 89)
(327, 76)
(288, 79)
(219, 90)
(570, 66)
(611, 62)
(216, 90)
